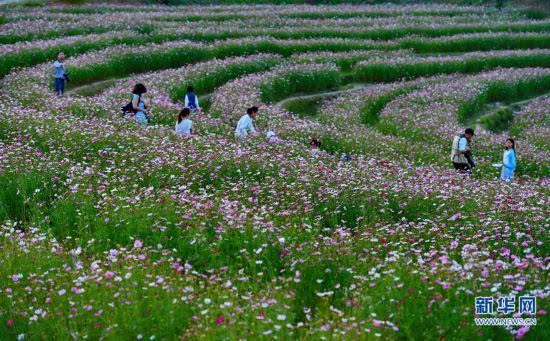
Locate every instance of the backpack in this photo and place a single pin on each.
(129, 108)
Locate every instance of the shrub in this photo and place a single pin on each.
(498, 120)
(298, 81)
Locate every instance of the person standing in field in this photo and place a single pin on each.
(245, 124)
(509, 161)
(59, 74)
(191, 100)
(184, 126)
(461, 153)
(138, 105)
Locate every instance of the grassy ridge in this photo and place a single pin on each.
(14, 38)
(370, 112)
(135, 62)
(207, 83)
(296, 82)
(384, 72)
(123, 65)
(467, 44)
(504, 92)
(376, 34)
(499, 120)
(35, 56)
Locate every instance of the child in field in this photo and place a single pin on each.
(59, 73)
(272, 137)
(138, 105)
(314, 146)
(245, 124)
(184, 126)
(191, 100)
(508, 160)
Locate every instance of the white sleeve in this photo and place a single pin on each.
(197, 101)
(462, 143)
(186, 101)
(252, 129)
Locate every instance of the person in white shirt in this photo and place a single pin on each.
(245, 124)
(184, 126)
(461, 152)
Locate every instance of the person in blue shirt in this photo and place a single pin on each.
(59, 73)
(138, 105)
(509, 160)
(461, 153)
(191, 100)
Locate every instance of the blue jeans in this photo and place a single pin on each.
(59, 86)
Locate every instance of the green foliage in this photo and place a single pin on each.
(206, 83)
(467, 44)
(499, 120)
(534, 13)
(370, 112)
(321, 275)
(75, 2)
(299, 82)
(336, 146)
(23, 195)
(31, 3)
(136, 62)
(29, 58)
(382, 72)
(308, 107)
(504, 92)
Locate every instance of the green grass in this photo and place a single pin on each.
(206, 83)
(504, 92)
(383, 72)
(14, 38)
(37, 56)
(377, 34)
(303, 108)
(95, 88)
(127, 64)
(299, 82)
(371, 111)
(23, 195)
(467, 44)
(499, 120)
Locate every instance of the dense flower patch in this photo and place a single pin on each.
(112, 230)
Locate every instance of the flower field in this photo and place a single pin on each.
(111, 230)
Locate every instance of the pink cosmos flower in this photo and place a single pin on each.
(138, 244)
(522, 331)
(220, 319)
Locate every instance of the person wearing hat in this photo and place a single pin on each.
(461, 154)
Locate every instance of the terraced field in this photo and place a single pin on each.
(111, 230)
